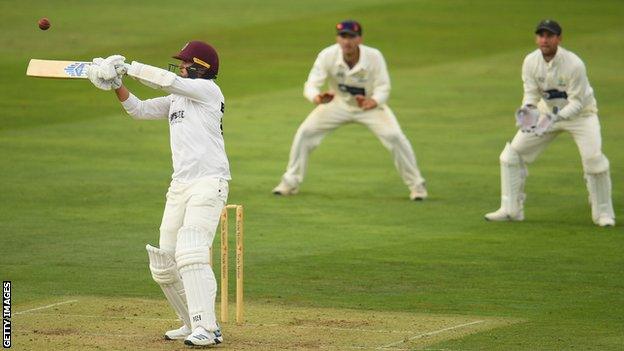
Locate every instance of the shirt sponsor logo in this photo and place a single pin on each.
(176, 117)
(222, 112)
(351, 89)
(554, 94)
(360, 75)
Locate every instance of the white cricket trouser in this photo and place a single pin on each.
(584, 130)
(327, 117)
(188, 227)
(197, 204)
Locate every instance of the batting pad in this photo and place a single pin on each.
(596, 164)
(513, 176)
(165, 273)
(193, 259)
(599, 188)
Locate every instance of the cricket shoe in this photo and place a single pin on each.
(178, 334)
(284, 189)
(502, 216)
(418, 193)
(605, 221)
(202, 337)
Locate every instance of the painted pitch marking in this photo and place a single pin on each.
(428, 334)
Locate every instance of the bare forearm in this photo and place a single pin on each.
(122, 93)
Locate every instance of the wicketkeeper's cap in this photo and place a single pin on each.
(349, 27)
(548, 25)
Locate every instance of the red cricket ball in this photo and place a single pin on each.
(44, 23)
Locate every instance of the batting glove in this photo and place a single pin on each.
(108, 67)
(94, 75)
(116, 83)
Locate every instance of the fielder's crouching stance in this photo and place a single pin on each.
(199, 186)
(557, 98)
(359, 86)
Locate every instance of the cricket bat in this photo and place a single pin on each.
(57, 69)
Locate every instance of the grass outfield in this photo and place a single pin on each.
(82, 185)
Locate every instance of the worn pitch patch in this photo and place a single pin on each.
(90, 323)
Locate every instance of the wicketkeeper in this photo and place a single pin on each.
(359, 86)
(199, 186)
(557, 98)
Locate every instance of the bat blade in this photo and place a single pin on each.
(57, 69)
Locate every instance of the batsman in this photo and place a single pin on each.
(557, 98)
(198, 191)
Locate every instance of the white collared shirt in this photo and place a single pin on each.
(194, 109)
(546, 82)
(369, 76)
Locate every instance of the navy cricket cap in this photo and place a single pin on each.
(548, 25)
(349, 27)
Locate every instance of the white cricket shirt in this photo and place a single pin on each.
(562, 82)
(368, 77)
(194, 109)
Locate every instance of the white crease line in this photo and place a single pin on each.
(328, 328)
(48, 306)
(351, 329)
(358, 348)
(387, 331)
(428, 334)
(323, 347)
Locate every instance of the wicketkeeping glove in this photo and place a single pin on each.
(527, 117)
(545, 123)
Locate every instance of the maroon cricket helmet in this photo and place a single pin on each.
(202, 55)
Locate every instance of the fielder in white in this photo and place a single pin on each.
(557, 98)
(359, 87)
(199, 186)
